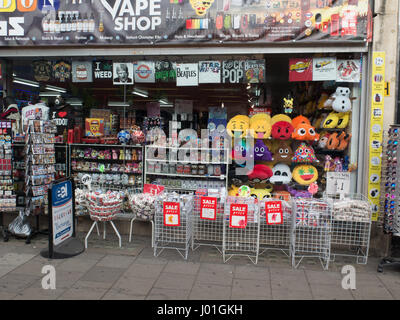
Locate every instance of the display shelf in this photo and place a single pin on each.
(221, 177)
(105, 160)
(106, 172)
(184, 162)
(105, 145)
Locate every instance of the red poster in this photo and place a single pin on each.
(208, 208)
(300, 69)
(238, 216)
(172, 214)
(273, 212)
(153, 189)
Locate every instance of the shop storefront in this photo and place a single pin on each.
(135, 86)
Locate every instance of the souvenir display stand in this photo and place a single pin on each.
(207, 219)
(311, 231)
(173, 224)
(390, 179)
(241, 230)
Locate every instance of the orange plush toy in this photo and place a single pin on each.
(334, 140)
(305, 132)
(299, 120)
(344, 142)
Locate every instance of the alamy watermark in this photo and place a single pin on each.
(349, 279)
(49, 280)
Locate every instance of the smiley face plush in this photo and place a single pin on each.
(305, 174)
(261, 152)
(305, 132)
(260, 194)
(238, 126)
(284, 153)
(304, 154)
(282, 130)
(281, 174)
(260, 124)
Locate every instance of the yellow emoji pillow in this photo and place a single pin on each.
(238, 126)
(331, 120)
(260, 126)
(260, 194)
(305, 174)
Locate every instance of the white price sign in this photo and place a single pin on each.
(338, 183)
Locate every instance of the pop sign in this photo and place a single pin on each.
(208, 208)
(172, 214)
(273, 212)
(238, 216)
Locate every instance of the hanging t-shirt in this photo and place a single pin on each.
(64, 118)
(37, 111)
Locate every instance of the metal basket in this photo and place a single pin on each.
(174, 237)
(242, 241)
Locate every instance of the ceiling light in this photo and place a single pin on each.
(49, 94)
(75, 102)
(168, 105)
(222, 105)
(163, 101)
(117, 104)
(140, 93)
(26, 82)
(53, 88)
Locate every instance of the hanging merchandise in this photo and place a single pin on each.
(305, 174)
(300, 69)
(324, 69)
(260, 126)
(209, 72)
(82, 71)
(62, 71)
(288, 104)
(103, 69)
(144, 71)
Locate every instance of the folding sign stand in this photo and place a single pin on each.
(62, 241)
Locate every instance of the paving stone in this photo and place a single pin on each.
(7, 295)
(103, 274)
(83, 294)
(134, 285)
(291, 294)
(144, 270)
(167, 294)
(175, 281)
(79, 265)
(80, 284)
(202, 291)
(16, 282)
(371, 290)
(4, 270)
(39, 294)
(324, 278)
(329, 292)
(251, 272)
(250, 287)
(117, 295)
(15, 259)
(182, 267)
(151, 261)
(114, 261)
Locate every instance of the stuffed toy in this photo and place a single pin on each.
(288, 104)
(261, 152)
(310, 107)
(238, 126)
(284, 152)
(335, 141)
(323, 139)
(324, 96)
(260, 194)
(329, 165)
(340, 101)
(300, 119)
(318, 122)
(331, 120)
(281, 174)
(305, 132)
(299, 193)
(260, 173)
(344, 142)
(282, 195)
(281, 127)
(305, 174)
(338, 164)
(344, 118)
(244, 191)
(260, 126)
(304, 154)
(280, 117)
(233, 191)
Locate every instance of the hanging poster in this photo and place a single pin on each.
(122, 73)
(172, 214)
(233, 71)
(208, 208)
(144, 71)
(348, 70)
(324, 69)
(210, 72)
(82, 71)
(300, 69)
(42, 70)
(103, 69)
(238, 215)
(376, 132)
(187, 74)
(165, 71)
(274, 212)
(254, 71)
(62, 71)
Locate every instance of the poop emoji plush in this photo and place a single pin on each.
(281, 127)
(260, 173)
(261, 152)
(260, 126)
(282, 195)
(238, 126)
(305, 132)
(344, 118)
(305, 174)
(260, 194)
(284, 152)
(298, 120)
(331, 121)
(304, 154)
(281, 174)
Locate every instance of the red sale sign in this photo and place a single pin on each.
(273, 212)
(172, 214)
(238, 216)
(208, 208)
(153, 189)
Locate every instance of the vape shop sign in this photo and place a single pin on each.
(273, 212)
(172, 214)
(238, 216)
(208, 208)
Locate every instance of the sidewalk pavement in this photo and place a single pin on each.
(106, 272)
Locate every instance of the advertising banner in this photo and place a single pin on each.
(62, 212)
(300, 69)
(130, 22)
(324, 69)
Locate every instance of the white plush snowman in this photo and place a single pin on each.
(340, 100)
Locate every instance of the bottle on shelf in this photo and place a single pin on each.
(85, 24)
(68, 25)
(63, 23)
(73, 22)
(92, 24)
(57, 24)
(46, 23)
(51, 23)
(101, 25)
(79, 24)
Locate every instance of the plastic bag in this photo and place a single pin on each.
(20, 226)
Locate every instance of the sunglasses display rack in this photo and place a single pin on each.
(391, 194)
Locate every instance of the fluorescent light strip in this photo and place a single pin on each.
(168, 105)
(163, 101)
(58, 89)
(49, 94)
(117, 104)
(26, 82)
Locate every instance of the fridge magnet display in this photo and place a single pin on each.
(144, 71)
(209, 71)
(82, 71)
(187, 74)
(122, 73)
(324, 69)
(348, 70)
(300, 69)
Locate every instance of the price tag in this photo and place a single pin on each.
(238, 216)
(338, 183)
(172, 214)
(343, 186)
(87, 180)
(208, 208)
(274, 212)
